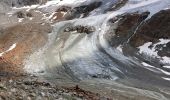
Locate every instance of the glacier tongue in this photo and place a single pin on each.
(90, 43)
(91, 55)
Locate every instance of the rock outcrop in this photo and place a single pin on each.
(152, 30)
(80, 29)
(126, 25)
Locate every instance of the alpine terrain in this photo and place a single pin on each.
(84, 49)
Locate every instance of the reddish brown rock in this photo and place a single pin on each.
(27, 37)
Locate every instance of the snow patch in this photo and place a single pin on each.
(145, 49)
(167, 67)
(1, 54)
(20, 20)
(10, 48)
(119, 48)
(165, 78)
(165, 59)
(145, 64)
(163, 71)
(26, 7)
(152, 50)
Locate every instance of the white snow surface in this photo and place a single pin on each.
(165, 78)
(152, 50)
(145, 49)
(145, 64)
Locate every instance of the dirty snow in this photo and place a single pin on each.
(165, 59)
(145, 64)
(161, 70)
(168, 79)
(166, 67)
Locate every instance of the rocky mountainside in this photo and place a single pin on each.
(88, 49)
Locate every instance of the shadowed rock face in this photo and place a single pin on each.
(126, 26)
(83, 10)
(158, 27)
(81, 29)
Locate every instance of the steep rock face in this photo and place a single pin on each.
(125, 27)
(84, 10)
(158, 27)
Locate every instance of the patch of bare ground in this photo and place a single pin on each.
(32, 88)
(25, 39)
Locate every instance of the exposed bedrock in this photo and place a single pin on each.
(123, 26)
(84, 10)
(158, 27)
(17, 42)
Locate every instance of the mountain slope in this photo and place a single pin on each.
(113, 45)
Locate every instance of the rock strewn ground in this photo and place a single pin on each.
(32, 88)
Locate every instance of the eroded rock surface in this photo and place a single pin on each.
(27, 38)
(152, 30)
(123, 27)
